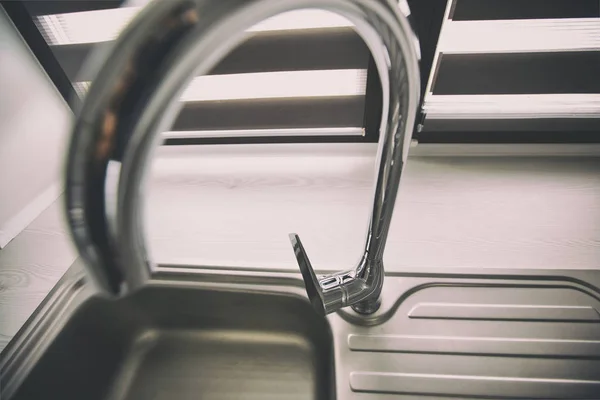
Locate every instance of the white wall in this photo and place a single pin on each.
(34, 126)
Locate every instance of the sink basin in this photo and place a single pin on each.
(181, 341)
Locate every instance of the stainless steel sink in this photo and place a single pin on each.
(201, 333)
(254, 341)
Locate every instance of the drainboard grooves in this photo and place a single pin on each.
(474, 342)
(509, 312)
(473, 386)
(475, 345)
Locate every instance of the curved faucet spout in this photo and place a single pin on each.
(134, 97)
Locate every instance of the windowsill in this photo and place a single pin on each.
(235, 205)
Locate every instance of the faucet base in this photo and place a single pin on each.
(367, 307)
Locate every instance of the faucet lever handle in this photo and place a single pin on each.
(311, 281)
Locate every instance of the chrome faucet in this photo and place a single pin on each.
(361, 287)
(134, 98)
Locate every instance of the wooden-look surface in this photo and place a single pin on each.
(30, 265)
(219, 206)
(233, 207)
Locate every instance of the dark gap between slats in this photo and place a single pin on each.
(320, 112)
(473, 10)
(519, 73)
(313, 49)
